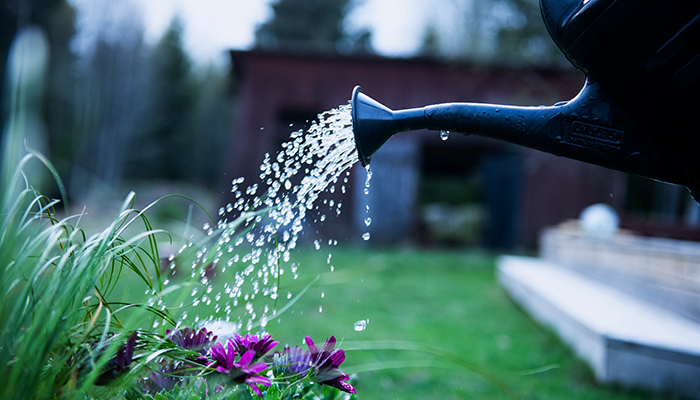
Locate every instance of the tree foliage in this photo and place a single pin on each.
(173, 95)
(528, 40)
(116, 108)
(312, 25)
(510, 31)
(112, 104)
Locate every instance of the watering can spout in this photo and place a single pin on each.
(588, 128)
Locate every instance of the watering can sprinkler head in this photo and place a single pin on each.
(632, 115)
(372, 124)
(360, 120)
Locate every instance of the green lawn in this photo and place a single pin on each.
(439, 327)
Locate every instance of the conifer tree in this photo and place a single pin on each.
(310, 25)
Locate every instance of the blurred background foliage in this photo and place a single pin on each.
(122, 110)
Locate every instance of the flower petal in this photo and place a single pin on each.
(246, 358)
(269, 347)
(329, 345)
(230, 354)
(257, 367)
(312, 346)
(260, 380)
(223, 370)
(254, 388)
(331, 375)
(345, 387)
(337, 357)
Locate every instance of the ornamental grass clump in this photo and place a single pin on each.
(62, 335)
(58, 332)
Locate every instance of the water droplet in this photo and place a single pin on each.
(368, 221)
(365, 236)
(444, 135)
(369, 175)
(360, 325)
(320, 309)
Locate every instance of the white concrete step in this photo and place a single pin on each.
(625, 340)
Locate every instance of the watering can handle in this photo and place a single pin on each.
(646, 56)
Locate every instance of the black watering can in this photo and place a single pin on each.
(634, 114)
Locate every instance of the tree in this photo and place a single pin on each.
(212, 116)
(170, 138)
(112, 100)
(430, 45)
(509, 31)
(528, 40)
(310, 25)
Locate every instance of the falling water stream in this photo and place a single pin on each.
(261, 227)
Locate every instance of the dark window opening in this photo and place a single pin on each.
(469, 193)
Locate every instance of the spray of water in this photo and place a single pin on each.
(260, 228)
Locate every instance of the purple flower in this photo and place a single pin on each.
(292, 360)
(299, 360)
(325, 363)
(166, 378)
(192, 340)
(224, 359)
(252, 342)
(120, 363)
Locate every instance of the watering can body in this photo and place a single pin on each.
(634, 114)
